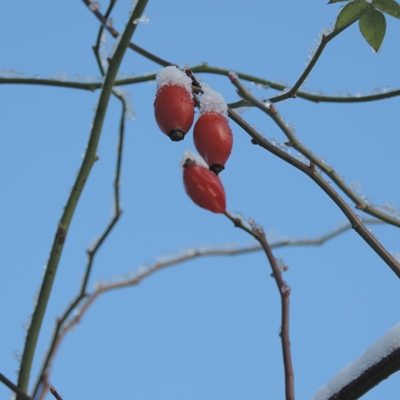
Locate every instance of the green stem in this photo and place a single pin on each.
(87, 164)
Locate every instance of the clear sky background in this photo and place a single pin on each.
(208, 328)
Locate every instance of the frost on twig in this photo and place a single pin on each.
(126, 95)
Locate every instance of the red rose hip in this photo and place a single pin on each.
(213, 140)
(174, 111)
(203, 187)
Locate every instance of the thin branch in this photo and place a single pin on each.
(324, 41)
(203, 68)
(54, 392)
(270, 110)
(104, 21)
(88, 161)
(41, 382)
(143, 272)
(317, 98)
(14, 388)
(284, 293)
(311, 172)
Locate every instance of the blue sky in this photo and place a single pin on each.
(207, 328)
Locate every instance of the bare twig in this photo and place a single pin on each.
(54, 392)
(14, 388)
(205, 68)
(42, 379)
(104, 21)
(270, 110)
(317, 98)
(310, 171)
(143, 272)
(86, 166)
(202, 68)
(292, 92)
(284, 293)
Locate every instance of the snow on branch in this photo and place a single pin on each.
(377, 363)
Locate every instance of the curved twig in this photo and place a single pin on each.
(145, 271)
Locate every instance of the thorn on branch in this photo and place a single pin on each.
(61, 234)
(238, 92)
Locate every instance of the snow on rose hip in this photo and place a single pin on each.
(212, 135)
(213, 140)
(174, 105)
(202, 185)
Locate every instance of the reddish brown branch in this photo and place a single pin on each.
(284, 292)
(53, 391)
(14, 388)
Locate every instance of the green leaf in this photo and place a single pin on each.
(390, 7)
(351, 12)
(373, 27)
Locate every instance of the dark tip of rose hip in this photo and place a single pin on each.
(216, 168)
(176, 135)
(188, 162)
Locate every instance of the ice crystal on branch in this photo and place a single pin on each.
(314, 48)
(126, 95)
(390, 210)
(94, 5)
(104, 51)
(357, 189)
(109, 23)
(142, 19)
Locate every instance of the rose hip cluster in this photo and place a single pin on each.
(212, 136)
